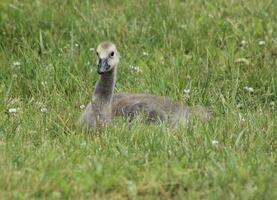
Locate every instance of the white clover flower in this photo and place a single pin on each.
(43, 110)
(12, 110)
(242, 60)
(262, 43)
(83, 143)
(241, 118)
(162, 60)
(17, 173)
(16, 63)
(135, 68)
(272, 104)
(14, 76)
(92, 49)
(249, 89)
(186, 91)
(239, 105)
(214, 142)
(44, 83)
(76, 44)
(145, 53)
(243, 42)
(82, 107)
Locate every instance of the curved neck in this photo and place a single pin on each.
(105, 86)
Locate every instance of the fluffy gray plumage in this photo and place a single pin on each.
(105, 105)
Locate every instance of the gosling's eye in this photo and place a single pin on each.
(112, 54)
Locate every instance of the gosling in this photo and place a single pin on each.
(106, 105)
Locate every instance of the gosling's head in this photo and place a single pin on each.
(107, 57)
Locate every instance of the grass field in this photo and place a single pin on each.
(222, 53)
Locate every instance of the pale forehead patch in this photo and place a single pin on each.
(104, 48)
(106, 45)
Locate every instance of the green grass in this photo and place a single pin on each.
(191, 44)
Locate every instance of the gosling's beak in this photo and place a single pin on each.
(103, 65)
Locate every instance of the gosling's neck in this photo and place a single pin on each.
(105, 86)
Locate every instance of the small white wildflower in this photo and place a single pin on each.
(44, 83)
(145, 53)
(214, 142)
(135, 68)
(83, 143)
(56, 195)
(16, 63)
(243, 42)
(14, 76)
(272, 104)
(249, 89)
(186, 91)
(44, 110)
(82, 107)
(239, 105)
(241, 118)
(76, 44)
(162, 60)
(188, 56)
(33, 131)
(12, 110)
(242, 60)
(17, 173)
(91, 49)
(261, 43)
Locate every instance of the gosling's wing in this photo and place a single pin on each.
(153, 107)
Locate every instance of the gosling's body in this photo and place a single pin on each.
(155, 108)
